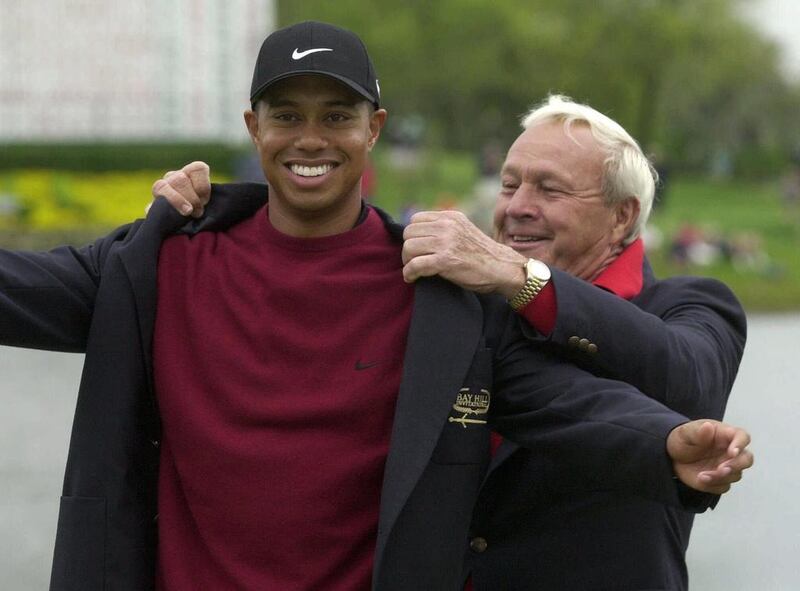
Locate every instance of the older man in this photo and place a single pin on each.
(576, 193)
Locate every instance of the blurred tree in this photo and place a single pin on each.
(688, 75)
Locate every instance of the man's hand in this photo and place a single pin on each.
(187, 190)
(446, 243)
(708, 455)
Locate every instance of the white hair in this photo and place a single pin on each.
(627, 171)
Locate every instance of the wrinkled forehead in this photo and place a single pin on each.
(552, 141)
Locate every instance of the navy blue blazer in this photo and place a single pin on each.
(545, 526)
(101, 299)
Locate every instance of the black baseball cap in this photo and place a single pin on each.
(315, 48)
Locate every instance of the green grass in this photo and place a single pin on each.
(730, 209)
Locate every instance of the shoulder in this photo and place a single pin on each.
(689, 288)
(701, 299)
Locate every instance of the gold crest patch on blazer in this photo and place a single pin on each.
(472, 406)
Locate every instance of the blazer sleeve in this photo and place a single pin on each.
(681, 343)
(600, 433)
(47, 298)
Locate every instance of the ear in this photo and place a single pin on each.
(251, 121)
(626, 213)
(376, 123)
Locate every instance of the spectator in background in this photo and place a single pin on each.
(369, 181)
(790, 185)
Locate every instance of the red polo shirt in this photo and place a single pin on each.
(623, 277)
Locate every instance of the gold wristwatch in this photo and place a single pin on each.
(537, 274)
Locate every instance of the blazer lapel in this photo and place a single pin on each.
(445, 331)
(140, 260)
(229, 204)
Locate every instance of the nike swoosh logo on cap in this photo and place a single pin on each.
(298, 55)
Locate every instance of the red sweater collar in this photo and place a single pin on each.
(623, 277)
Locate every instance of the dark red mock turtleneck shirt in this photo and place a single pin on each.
(277, 366)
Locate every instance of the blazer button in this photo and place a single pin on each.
(591, 349)
(573, 341)
(583, 344)
(478, 545)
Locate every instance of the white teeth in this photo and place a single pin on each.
(516, 238)
(300, 170)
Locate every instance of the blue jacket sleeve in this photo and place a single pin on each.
(47, 298)
(680, 341)
(586, 428)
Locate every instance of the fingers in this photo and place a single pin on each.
(432, 216)
(421, 245)
(182, 189)
(709, 455)
(435, 245)
(717, 481)
(739, 438)
(199, 174)
(722, 435)
(187, 190)
(738, 464)
(434, 223)
(730, 470)
(161, 188)
(703, 434)
(720, 475)
(719, 489)
(420, 266)
(684, 441)
(427, 239)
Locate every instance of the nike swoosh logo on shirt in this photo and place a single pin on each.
(298, 55)
(360, 366)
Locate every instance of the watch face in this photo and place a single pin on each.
(539, 270)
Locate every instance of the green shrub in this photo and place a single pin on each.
(106, 157)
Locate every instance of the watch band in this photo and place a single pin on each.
(534, 283)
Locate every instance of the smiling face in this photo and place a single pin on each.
(313, 135)
(551, 206)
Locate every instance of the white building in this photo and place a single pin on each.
(150, 69)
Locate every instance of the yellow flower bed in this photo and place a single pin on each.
(62, 200)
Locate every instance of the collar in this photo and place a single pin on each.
(623, 277)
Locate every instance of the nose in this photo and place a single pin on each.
(524, 203)
(311, 138)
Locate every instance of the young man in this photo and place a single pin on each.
(264, 395)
